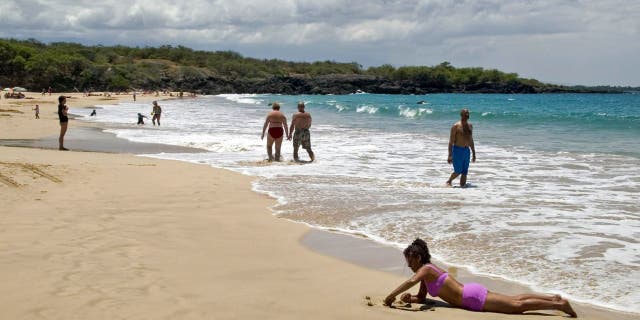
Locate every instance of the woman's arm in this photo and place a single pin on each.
(402, 288)
(407, 285)
(421, 297)
(264, 127)
(286, 129)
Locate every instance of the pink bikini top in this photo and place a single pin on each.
(433, 288)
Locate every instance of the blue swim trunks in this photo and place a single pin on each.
(461, 157)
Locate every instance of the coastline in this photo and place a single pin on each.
(365, 252)
(335, 294)
(94, 139)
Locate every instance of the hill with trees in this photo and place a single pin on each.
(71, 66)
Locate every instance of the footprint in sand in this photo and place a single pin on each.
(8, 181)
(33, 169)
(13, 172)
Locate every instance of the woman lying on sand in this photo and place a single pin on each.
(470, 296)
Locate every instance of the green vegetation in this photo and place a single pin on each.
(69, 66)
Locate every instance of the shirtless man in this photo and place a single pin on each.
(277, 123)
(460, 141)
(301, 122)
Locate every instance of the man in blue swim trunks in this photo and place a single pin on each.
(460, 141)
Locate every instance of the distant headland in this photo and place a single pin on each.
(71, 66)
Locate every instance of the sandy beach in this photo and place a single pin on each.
(99, 233)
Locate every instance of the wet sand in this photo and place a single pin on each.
(365, 252)
(92, 139)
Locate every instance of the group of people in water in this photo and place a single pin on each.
(276, 123)
(155, 114)
(64, 118)
(461, 146)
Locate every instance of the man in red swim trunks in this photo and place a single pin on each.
(277, 123)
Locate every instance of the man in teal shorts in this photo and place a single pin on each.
(300, 124)
(460, 148)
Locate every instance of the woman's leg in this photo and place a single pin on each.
(518, 304)
(270, 142)
(278, 147)
(63, 131)
(555, 297)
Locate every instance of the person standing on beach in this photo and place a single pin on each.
(64, 121)
(460, 141)
(277, 123)
(134, 96)
(301, 122)
(156, 113)
(37, 109)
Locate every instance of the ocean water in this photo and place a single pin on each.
(554, 197)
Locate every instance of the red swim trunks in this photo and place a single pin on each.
(276, 132)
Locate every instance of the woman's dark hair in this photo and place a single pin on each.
(61, 98)
(418, 248)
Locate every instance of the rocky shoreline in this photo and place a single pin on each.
(345, 84)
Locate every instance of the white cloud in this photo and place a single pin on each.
(533, 38)
(377, 30)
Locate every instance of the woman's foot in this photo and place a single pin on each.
(566, 308)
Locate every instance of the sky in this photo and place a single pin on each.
(559, 41)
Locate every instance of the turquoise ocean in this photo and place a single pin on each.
(554, 197)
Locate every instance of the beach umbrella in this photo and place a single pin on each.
(19, 89)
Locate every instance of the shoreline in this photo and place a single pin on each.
(320, 240)
(363, 251)
(310, 238)
(339, 239)
(96, 139)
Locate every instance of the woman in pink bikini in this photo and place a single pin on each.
(470, 296)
